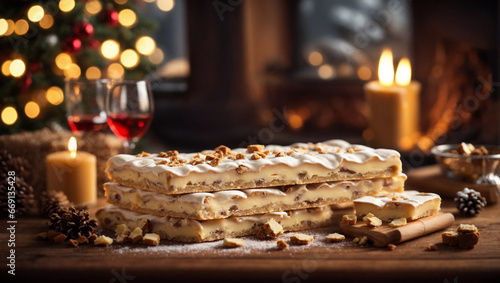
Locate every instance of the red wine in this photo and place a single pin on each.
(87, 123)
(129, 126)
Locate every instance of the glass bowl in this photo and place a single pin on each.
(477, 169)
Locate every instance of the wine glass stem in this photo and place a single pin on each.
(128, 146)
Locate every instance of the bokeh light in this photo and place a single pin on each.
(364, 73)
(121, 2)
(22, 26)
(145, 45)
(315, 58)
(129, 58)
(54, 95)
(4, 26)
(110, 49)
(46, 22)
(156, 57)
(9, 115)
(165, 5)
(66, 5)
(326, 72)
(6, 68)
(35, 13)
(127, 18)
(93, 7)
(115, 71)
(73, 71)
(93, 73)
(63, 61)
(10, 28)
(31, 109)
(17, 68)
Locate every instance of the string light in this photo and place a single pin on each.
(110, 49)
(31, 109)
(121, 2)
(9, 115)
(115, 71)
(165, 5)
(156, 57)
(129, 58)
(54, 95)
(127, 18)
(46, 22)
(4, 26)
(17, 68)
(21, 27)
(73, 71)
(145, 45)
(93, 73)
(35, 13)
(63, 61)
(93, 7)
(6, 68)
(66, 5)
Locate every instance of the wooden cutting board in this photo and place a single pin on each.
(430, 179)
(383, 235)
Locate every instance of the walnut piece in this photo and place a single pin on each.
(301, 239)
(350, 219)
(103, 241)
(136, 235)
(255, 148)
(431, 247)
(233, 242)
(223, 149)
(240, 156)
(398, 222)
(372, 221)
(151, 239)
(241, 169)
(60, 238)
(281, 244)
(272, 228)
(82, 240)
(143, 154)
(335, 237)
(73, 242)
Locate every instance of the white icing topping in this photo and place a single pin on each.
(413, 198)
(330, 160)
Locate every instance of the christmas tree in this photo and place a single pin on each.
(44, 42)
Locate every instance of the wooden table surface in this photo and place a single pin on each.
(40, 261)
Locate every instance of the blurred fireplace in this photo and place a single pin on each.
(245, 68)
(457, 52)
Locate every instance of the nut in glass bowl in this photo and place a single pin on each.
(467, 163)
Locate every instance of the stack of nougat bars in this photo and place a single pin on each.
(223, 193)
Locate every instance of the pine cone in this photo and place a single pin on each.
(51, 201)
(72, 222)
(24, 198)
(470, 202)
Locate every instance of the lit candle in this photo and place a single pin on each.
(74, 173)
(394, 107)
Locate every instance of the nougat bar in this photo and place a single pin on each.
(222, 204)
(411, 205)
(254, 167)
(190, 230)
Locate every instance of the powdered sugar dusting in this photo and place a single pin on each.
(252, 245)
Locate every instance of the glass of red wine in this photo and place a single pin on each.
(129, 107)
(85, 105)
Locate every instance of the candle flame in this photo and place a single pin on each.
(403, 73)
(72, 146)
(386, 68)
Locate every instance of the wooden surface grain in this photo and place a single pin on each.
(40, 261)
